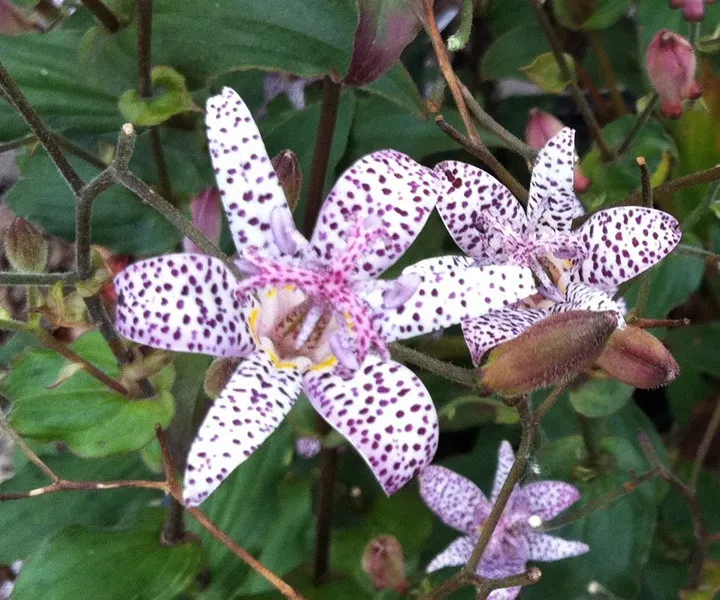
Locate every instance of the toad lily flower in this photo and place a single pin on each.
(311, 316)
(578, 270)
(515, 541)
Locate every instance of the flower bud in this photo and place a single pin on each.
(26, 247)
(384, 562)
(206, 216)
(638, 358)
(671, 67)
(540, 129)
(551, 351)
(290, 176)
(307, 446)
(692, 10)
(218, 375)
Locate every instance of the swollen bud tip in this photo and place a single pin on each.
(26, 247)
(384, 562)
(287, 168)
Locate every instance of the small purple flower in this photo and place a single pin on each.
(291, 85)
(312, 315)
(515, 541)
(577, 270)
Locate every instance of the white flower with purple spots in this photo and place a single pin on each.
(577, 270)
(515, 541)
(311, 316)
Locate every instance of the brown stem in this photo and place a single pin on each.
(650, 323)
(32, 457)
(73, 486)
(607, 71)
(704, 446)
(531, 576)
(639, 124)
(645, 279)
(466, 377)
(679, 183)
(325, 506)
(103, 14)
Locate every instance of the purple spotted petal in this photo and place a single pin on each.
(506, 458)
(448, 294)
(250, 408)
(451, 497)
(546, 547)
(504, 594)
(622, 243)
(456, 554)
(547, 499)
(584, 297)
(485, 332)
(552, 202)
(386, 413)
(386, 186)
(469, 196)
(183, 302)
(248, 185)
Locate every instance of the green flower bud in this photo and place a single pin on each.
(26, 247)
(289, 175)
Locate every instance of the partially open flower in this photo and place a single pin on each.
(692, 10)
(671, 65)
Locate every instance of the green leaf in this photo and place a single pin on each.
(545, 73)
(105, 565)
(82, 412)
(506, 57)
(174, 100)
(471, 410)
(600, 398)
(696, 347)
(589, 14)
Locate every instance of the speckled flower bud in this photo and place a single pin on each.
(290, 176)
(692, 10)
(551, 351)
(26, 247)
(384, 562)
(218, 375)
(638, 358)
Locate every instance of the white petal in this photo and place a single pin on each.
(506, 458)
(547, 499)
(456, 554)
(546, 547)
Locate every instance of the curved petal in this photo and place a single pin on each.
(546, 547)
(248, 184)
(250, 408)
(547, 499)
(623, 242)
(456, 554)
(487, 331)
(552, 203)
(451, 497)
(506, 458)
(447, 296)
(183, 302)
(579, 296)
(386, 186)
(468, 195)
(386, 413)
(504, 594)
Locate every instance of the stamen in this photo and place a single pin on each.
(287, 238)
(308, 325)
(401, 290)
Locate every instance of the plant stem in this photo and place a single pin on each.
(605, 150)
(693, 251)
(103, 14)
(645, 279)
(588, 429)
(700, 210)
(325, 506)
(639, 124)
(679, 183)
(459, 39)
(39, 279)
(481, 151)
(17, 143)
(531, 576)
(32, 457)
(704, 446)
(466, 377)
(607, 71)
(694, 33)
(321, 154)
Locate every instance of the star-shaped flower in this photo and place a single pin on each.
(312, 315)
(578, 269)
(515, 541)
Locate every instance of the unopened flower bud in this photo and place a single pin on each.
(218, 375)
(290, 176)
(26, 247)
(551, 351)
(540, 129)
(638, 358)
(671, 67)
(205, 212)
(384, 562)
(692, 10)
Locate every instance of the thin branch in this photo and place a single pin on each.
(466, 377)
(695, 251)
(32, 457)
(25, 140)
(325, 509)
(79, 151)
(645, 279)
(700, 210)
(679, 183)
(74, 486)
(639, 124)
(37, 279)
(481, 151)
(704, 446)
(651, 323)
(103, 14)
(530, 577)
(605, 150)
(607, 71)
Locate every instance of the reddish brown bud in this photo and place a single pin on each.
(384, 562)
(218, 375)
(26, 247)
(551, 351)
(290, 176)
(636, 357)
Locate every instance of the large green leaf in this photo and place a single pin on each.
(506, 56)
(25, 523)
(589, 14)
(82, 412)
(600, 398)
(107, 565)
(696, 347)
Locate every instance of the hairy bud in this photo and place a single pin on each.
(671, 67)
(692, 10)
(26, 247)
(551, 351)
(290, 176)
(384, 562)
(218, 375)
(638, 358)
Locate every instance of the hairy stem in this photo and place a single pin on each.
(103, 14)
(639, 124)
(607, 71)
(679, 183)
(38, 279)
(466, 377)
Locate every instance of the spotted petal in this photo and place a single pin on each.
(546, 547)
(505, 594)
(584, 297)
(547, 499)
(183, 302)
(468, 195)
(250, 408)
(623, 242)
(487, 331)
(386, 186)
(506, 458)
(451, 497)
(448, 295)
(552, 203)
(386, 413)
(456, 554)
(248, 184)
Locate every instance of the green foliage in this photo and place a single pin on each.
(174, 100)
(589, 14)
(600, 398)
